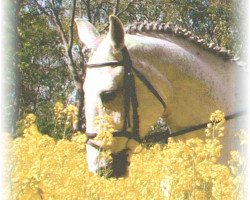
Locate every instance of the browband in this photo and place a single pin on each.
(111, 63)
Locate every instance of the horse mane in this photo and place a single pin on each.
(179, 32)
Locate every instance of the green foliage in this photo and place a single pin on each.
(157, 134)
(58, 123)
(213, 20)
(44, 76)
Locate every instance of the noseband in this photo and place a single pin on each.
(130, 99)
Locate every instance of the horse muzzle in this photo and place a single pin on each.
(97, 164)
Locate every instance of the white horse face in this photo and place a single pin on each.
(103, 89)
(103, 85)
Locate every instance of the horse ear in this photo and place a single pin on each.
(116, 32)
(88, 34)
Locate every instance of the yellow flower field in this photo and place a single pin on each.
(42, 168)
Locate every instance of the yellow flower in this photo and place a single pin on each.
(215, 128)
(42, 168)
(106, 129)
(80, 140)
(217, 116)
(31, 118)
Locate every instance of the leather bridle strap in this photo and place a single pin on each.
(103, 64)
(130, 97)
(129, 64)
(204, 125)
(159, 136)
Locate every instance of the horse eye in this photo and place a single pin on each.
(107, 96)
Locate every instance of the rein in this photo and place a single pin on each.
(130, 98)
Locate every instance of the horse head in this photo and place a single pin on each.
(104, 86)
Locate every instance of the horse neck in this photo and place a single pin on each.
(192, 82)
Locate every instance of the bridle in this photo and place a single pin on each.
(130, 99)
(130, 96)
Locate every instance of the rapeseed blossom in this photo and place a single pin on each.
(44, 168)
(65, 118)
(106, 129)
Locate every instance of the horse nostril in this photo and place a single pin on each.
(91, 135)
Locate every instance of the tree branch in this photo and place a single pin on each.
(119, 13)
(57, 22)
(53, 4)
(87, 3)
(42, 10)
(116, 8)
(125, 9)
(71, 27)
(81, 8)
(67, 44)
(55, 19)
